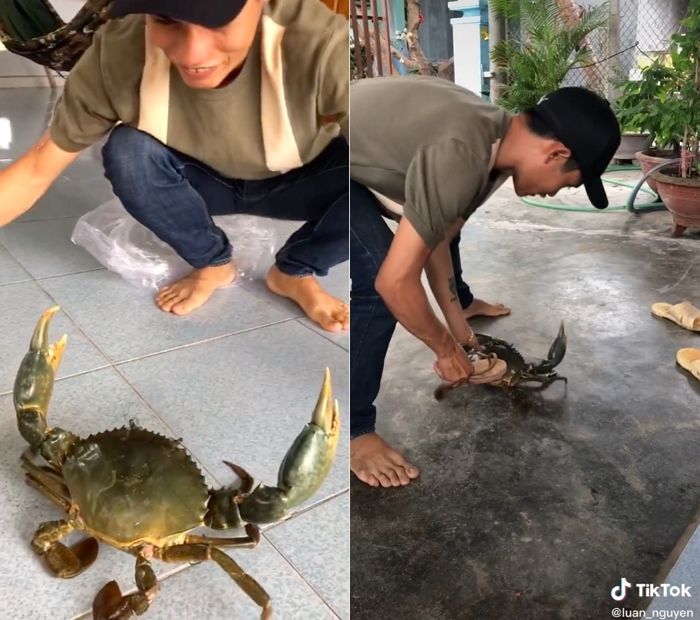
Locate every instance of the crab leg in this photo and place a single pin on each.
(46, 480)
(200, 553)
(251, 539)
(63, 561)
(544, 383)
(111, 604)
(305, 466)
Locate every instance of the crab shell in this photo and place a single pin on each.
(131, 486)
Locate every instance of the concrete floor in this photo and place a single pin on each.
(236, 380)
(535, 510)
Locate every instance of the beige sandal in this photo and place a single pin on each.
(684, 314)
(689, 359)
(487, 369)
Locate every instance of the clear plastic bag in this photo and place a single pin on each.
(125, 246)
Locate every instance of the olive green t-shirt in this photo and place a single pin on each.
(284, 107)
(427, 144)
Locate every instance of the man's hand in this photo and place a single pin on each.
(454, 368)
(26, 180)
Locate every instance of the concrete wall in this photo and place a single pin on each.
(436, 31)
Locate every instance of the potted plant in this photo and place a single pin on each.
(642, 106)
(679, 185)
(639, 113)
(552, 45)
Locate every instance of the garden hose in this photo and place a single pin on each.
(655, 205)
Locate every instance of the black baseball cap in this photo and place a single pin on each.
(585, 123)
(207, 13)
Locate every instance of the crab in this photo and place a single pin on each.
(142, 493)
(520, 372)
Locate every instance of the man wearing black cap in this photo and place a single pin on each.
(430, 168)
(216, 107)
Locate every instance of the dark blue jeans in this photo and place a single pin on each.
(176, 196)
(371, 322)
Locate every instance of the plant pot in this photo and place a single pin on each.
(653, 157)
(630, 144)
(682, 199)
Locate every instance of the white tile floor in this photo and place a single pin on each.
(236, 380)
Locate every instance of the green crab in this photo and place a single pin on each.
(518, 370)
(141, 492)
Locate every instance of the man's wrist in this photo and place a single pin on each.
(446, 346)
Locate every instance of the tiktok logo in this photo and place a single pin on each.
(620, 592)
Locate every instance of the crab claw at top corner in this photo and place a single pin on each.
(40, 339)
(35, 377)
(309, 460)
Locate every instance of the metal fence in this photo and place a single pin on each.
(370, 39)
(637, 31)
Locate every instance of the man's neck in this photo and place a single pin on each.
(506, 158)
(232, 76)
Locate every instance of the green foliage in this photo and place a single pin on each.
(684, 104)
(537, 64)
(641, 107)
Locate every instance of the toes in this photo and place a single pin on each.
(166, 301)
(384, 480)
(366, 477)
(395, 478)
(164, 292)
(407, 471)
(413, 472)
(402, 476)
(184, 307)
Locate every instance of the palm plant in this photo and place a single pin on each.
(551, 44)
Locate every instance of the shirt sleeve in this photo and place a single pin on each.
(84, 113)
(334, 75)
(442, 183)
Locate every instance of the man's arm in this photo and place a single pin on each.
(399, 284)
(441, 277)
(26, 180)
(334, 77)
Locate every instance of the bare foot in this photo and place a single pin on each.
(479, 307)
(193, 290)
(324, 309)
(376, 463)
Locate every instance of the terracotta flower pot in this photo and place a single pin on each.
(630, 144)
(682, 199)
(653, 157)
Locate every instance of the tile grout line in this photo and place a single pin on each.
(114, 364)
(306, 509)
(300, 320)
(199, 342)
(294, 566)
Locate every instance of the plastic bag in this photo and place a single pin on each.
(123, 245)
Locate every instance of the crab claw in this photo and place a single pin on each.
(34, 382)
(304, 467)
(558, 349)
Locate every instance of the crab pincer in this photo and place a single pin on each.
(305, 466)
(35, 378)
